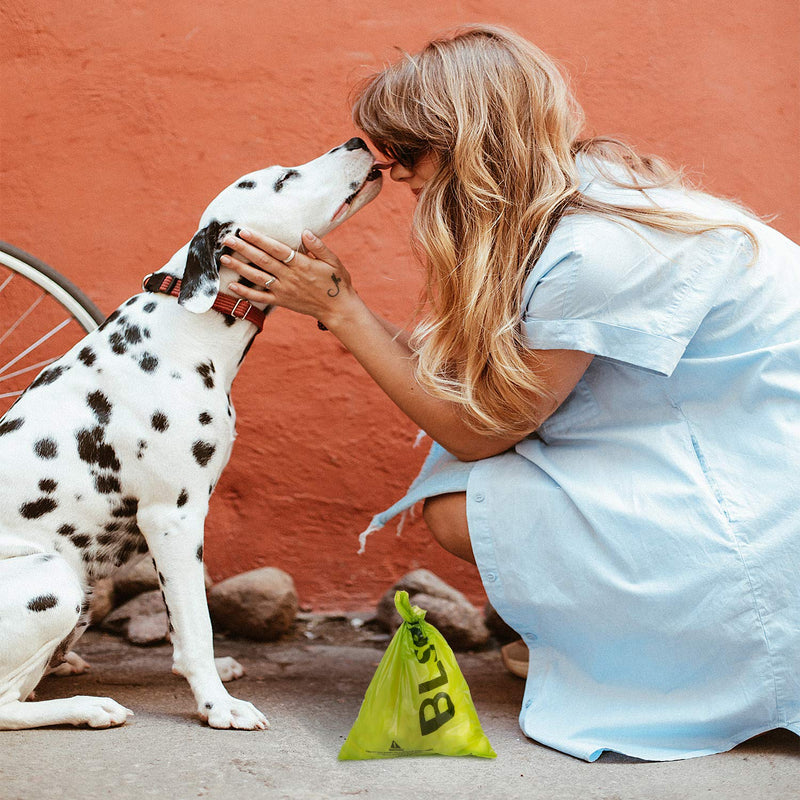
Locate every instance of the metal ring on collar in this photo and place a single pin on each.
(290, 257)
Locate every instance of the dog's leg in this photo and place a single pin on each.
(40, 604)
(72, 664)
(175, 539)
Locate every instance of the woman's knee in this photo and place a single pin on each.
(446, 518)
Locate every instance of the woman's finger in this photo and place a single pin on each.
(254, 274)
(257, 257)
(320, 250)
(279, 251)
(258, 294)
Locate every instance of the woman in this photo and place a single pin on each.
(609, 365)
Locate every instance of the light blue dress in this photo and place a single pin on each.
(645, 541)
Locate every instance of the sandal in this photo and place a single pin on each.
(515, 658)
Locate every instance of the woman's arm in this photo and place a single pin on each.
(320, 286)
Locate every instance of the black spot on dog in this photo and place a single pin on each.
(206, 371)
(49, 376)
(183, 498)
(48, 485)
(99, 403)
(133, 333)
(131, 301)
(107, 538)
(142, 446)
(149, 308)
(202, 452)
(93, 449)
(111, 527)
(176, 375)
(161, 579)
(118, 344)
(199, 553)
(288, 175)
(11, 425)
(66, 530)
(45, 448)
(81, 540)
(125, 553)
(38, 508)
(148, 362)
(246, 185)
(87, 356)
(106, 484)
(209, 706)
(109, 319)
(159, 421)
(129, 508)
(229, 319)
(43, 602)
(205, 418)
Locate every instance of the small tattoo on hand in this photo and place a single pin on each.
(336, 281)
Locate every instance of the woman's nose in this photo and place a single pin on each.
(397, 172)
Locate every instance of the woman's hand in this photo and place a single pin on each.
(315, 283)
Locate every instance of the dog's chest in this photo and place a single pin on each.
(130, 416)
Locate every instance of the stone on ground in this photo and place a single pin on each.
(447, 609)
(142, 620)
(260, 604)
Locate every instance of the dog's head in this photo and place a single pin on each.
(280, 202)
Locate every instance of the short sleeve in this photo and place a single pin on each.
(623, 291)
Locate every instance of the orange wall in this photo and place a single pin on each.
(120, 121)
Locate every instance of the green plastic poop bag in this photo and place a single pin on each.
(418, 702)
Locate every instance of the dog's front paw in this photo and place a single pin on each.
(97, 712)
(228, 669)
(232, 713)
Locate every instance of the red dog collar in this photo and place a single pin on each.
(163, 283)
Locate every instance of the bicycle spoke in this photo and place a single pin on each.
(36, 344)
(22, 317)
(7, 281)
(27, 369)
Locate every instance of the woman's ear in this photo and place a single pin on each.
(200, 282)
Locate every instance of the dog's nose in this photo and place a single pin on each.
(356, 144)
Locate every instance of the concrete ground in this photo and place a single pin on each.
(311, 690)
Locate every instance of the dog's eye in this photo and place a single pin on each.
(291, 173)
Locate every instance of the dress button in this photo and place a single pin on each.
(480, 497)
(491, 577)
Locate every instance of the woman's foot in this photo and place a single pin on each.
(515, 658)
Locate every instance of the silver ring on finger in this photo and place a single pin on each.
(269, 281)
(290, 257)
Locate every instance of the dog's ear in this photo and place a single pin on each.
(200, 282)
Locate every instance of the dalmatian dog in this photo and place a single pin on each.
(115, 449)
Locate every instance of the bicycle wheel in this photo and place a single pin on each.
(42, 315)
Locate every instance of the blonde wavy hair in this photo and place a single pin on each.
(499, 117)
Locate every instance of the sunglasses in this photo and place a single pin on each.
(406, 156)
